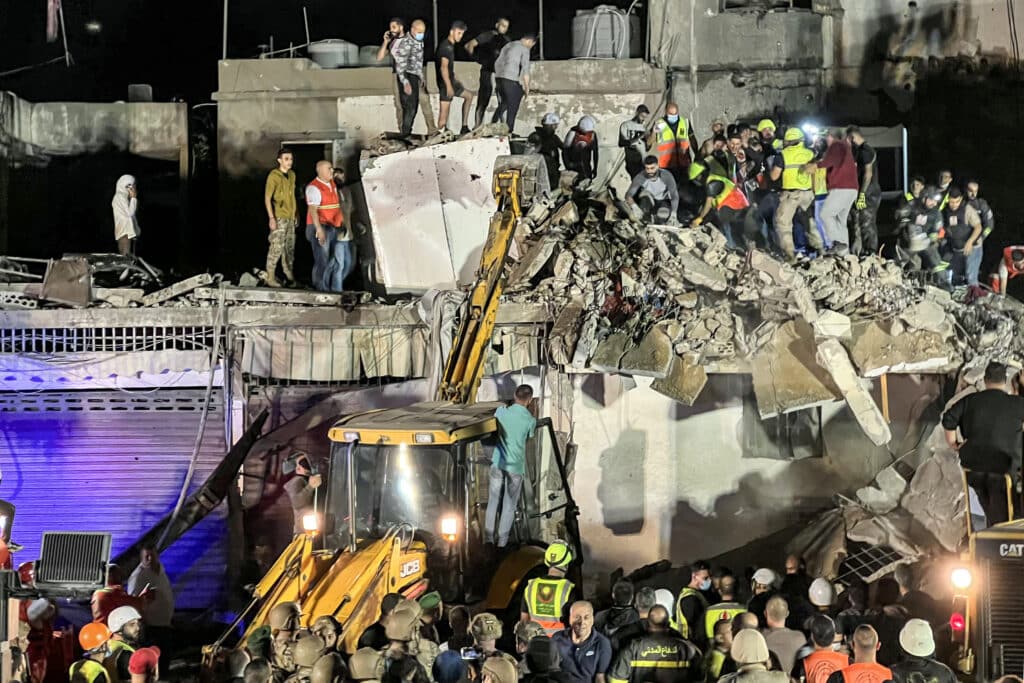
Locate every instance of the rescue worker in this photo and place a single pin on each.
(325, 229)
(766, 136)
(284, 625)
(94, 639)
(144, 665)
(125, 624)
(797, 195)
(1010, 267)
(106, 600)
(864, 668)
(484, 49)
(823, 660)
(784, 642)
(498, 670)
(366, 664)
(580, 148)
(621, 614)
(327, 628)
(733, 214)
(762, 586)
(544, 141)
(922, 232)
(691, 603)
(423, 649)
(374, 636)
(750, 652)
(282, 212)
(546, 598)
(633, 140)
(819, 185)
(448, 86)
(963, 230)
(654, 193)
(724, 610)
(508, 464)
(822, 595)
(672, 139)
(917, 185)
(308, 650)
(718, 652)
(657, 656)
(526, 631)
(717, 129)
(984, 212)
(920, 664)
(865, 209)
(432, 611)
(486, 630)
(945, 182)
(401, 660)
(330, 668)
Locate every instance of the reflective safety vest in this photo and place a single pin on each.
(909, 196)
(713, 663)
(546, 599)
(329, 210)
(673, 145)
(867, 673)
(821, 664)
(820, 182)
(729, 196)
(87, 671)
(684, 628)
(794, 158)
(117, 648)
(723, 611)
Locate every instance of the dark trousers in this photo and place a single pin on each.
(410, 103)
(634, 162)
(483, 97)
(991, 490)
(744, 226)
(865, 226)
(510, 94)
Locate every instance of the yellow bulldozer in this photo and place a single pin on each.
(401, 508)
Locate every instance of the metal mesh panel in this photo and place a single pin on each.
(73, 559)
(869, 563)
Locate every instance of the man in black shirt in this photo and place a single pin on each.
(485, 49)
(865, 213)
(447, 85)
(990, 427)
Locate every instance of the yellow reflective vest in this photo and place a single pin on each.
(723, 611)
(684, 628)
(794, 158)
(546, 599)
(87, 671)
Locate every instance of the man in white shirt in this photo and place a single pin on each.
(158, 612)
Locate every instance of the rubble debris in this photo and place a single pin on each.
(786, 376)
(68, 281)
(884, 496)
(279, 296)
(565, 332)
(177, 289)
(834, 358)
(653, 356)
(685, 380)
(877, 351)
(936, 489)
(928, 315)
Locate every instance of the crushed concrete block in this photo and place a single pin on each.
(884, 496)
(685, 380)
(609, 352)
(935, 499)
(836, 361)
(832, 324)
(565, 333)
(653, 356)
(701, 274)
(785, 374)
(877, 352)
(177, 289)
(535, 259)
(586, 343)
(687, 299)
(248, 280)
(926, 315)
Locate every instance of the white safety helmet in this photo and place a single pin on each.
(121, 616)
(664, 597)
(586, 124)
(822, 594)
(764, 577)
(550, 119)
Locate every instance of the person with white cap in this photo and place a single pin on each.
(125, 205)
(750, 652)
(920, 664)
(544, 140)
(762, 585)
(580, 149)
(822, 595)
(125, 624)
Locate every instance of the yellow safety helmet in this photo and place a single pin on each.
(696, 168)
(558, 555)
(765, 123)
(794, 134)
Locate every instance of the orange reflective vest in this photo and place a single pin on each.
(329, 210)
(731, 197)
(866, 673)
(821, 664)
(673, 144)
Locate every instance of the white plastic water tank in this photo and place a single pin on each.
(606, 32)
(334, 53)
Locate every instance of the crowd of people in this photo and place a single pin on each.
(763, 628)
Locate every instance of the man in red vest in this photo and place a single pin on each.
(333, 254)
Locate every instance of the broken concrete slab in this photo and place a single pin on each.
(701, 274)
(786, 376)
(833, 357)
(685, 380)
(278, 296)
(68, 281)
(927, 315)
(119, 297)
(565, 333)
(935, 499)
(832, 324)
(609, 352)
(654, 355)
(884, 496)
(177, 289)
(876, 351)
(535, 258)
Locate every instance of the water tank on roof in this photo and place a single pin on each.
(606, 32)
(334, 53)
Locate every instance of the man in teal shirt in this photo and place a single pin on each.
(515, 425)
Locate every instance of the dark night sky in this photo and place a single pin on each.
(174, 44)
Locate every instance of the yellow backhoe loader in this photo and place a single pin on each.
(406, 491)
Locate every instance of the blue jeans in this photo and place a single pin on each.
(974, 264)
(513, 485)
(333, 261)
(343, 262)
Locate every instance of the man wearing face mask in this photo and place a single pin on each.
(691, 605)
(673, 140)
(654, 191)
(392, 38)
(408, 55)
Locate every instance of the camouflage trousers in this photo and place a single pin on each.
(282, 248)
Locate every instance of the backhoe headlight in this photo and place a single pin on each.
(423, 437)
(450, 528)
(961, 578)
(351, 436)
(311, 523)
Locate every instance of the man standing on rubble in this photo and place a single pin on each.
(126, 223)
(865, 215)
(790, 165)
(279, 201)
(841, 179)
(989, 441)
(672, 139)
(987, 225)
(963, 230)
(512, 79)
(485, 49)
(407, 53)
(324, 225)
(921, 232)
(449, 86)
(654, 192)
(389, 47)
(633, 139)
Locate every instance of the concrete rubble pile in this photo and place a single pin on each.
(672, 303)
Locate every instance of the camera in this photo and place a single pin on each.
(470, 654)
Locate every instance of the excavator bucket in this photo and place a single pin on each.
(533, 176)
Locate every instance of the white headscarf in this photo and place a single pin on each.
(125, 222)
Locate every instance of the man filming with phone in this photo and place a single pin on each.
(301, 488)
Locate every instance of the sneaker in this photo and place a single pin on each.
(464, 130)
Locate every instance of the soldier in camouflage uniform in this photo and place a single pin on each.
(282, 211)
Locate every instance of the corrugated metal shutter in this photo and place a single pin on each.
(114, 462)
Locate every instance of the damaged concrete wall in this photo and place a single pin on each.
(656, 479)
